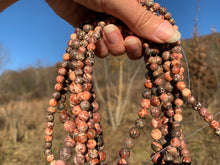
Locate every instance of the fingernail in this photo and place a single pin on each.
(166, 32)
(111, 34)
(133, 44)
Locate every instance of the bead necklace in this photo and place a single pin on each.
(163, 97)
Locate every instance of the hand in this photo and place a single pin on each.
(140, 21)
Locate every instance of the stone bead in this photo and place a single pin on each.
(178, 117)
(197, 106)
(60, 162)
(53, 102)
(124, 153)
(60, 79)
(69, 126)
(156, 157)
(56, 95)
(139, 123)
(82, 126)
(66, 56)
(96, 117)
(69, 142)
(156, 123)
(65, 153)
(156, 146)
(178, 102)
(143, 113)
(61, 107)
(72, 76)
(93, 153)
(175, 142)
(79, 159)
(49, 131)
(214, 124)
(48, 138)
(155, 101)
(76, 110)
(156, 134)
(191, 100)
(167, 15)
(167, 66)
(94, 161)
(153, 66)
(64, 116)
(50, 158)
(175, 70)
(95, 106)
(177, 77)
(51, 110)
(160, 90)
(145, 103)
(158, 81)
(83, 115)
(102, 155)
(155, 112)
(186, 92)
(176, 133)
(50, 125)
(91, 143)
(77, 65)
(48, 152)
(91, 133)
(80, 148)
(186, 160)
(62, 71)
(146, 94)
(180, 85)
(164, 97)
(98, 128)
(203, 112)
(81, 138)
(178, 110)
(164, 130)
(170, 112)
(85, 105)
(122, 162)
(48, 145)
(89, 61)
(129, 143)
(148, 84)
(169, 87)
(75, 88)
(167, 105)
(91, 123)
(171, 150)
(170, 97)
(165, 120)
(134, 133)
(185, 152)
(168, 157)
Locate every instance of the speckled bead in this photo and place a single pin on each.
(156, 134)
(79, 159)
(124, 153)
(60, 162)
(80, 148)
(155, 101)
(143, 113)
(91, 144)
(69, 142)
(134, 132)
(203, 111)
(65, 153)
(93, 153)
(175, 142)
(214, 124)
(69, 126)
(102, 155)
(81, 138)
(156, 123)
(156, 146)
(139, 123)
(122, 162)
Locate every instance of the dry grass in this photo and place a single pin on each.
(30, 116)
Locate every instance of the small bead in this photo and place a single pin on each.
(122, 162)
(158, 81)
(143, 113)
(93, 153)
(191, 100)
(145, 103)
(50, 158)
(164, 97)
(186, 92)
(51, 110)
(214, 124)
(134, 132)
(53, 102)
(72, 76)
(155, 112)
(170, 112)
(83, 115)
(156, 123)
(82, 126)
(76, 110)
(185, 152)
(197, 106)
(48, 145)
(50, 118)
(168, 77)
(186, 160)
(175, 142)
(129, 143)
(62, 71)
(56, 95)
(180, 85)
(85, 105)
(148, 84)
(102, 155)
(79, 159)
(50, 125)
(64, 116)
(178, 117)
(146, 94)
(124, 153)
(96, 117)
(172, 150)
(178, 102)
(168, 157)
(156, 146)
(49, 131)
(203, 112)
(139, 123)
(156, 134)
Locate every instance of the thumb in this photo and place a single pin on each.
(137, 18)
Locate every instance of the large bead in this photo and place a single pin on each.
(156, 134)
(79, 159)
(102, 155)
(156, 146)
(81, 138)
(80, 148)
(69, 126)
(143, 113)
(69, 142)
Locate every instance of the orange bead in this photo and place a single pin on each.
(53, 102)
(186, 92)
(143, 113)
(69, 126)
(66, 56)
(180, 85)
(50, 158)
(148, 84)
(49, 131)
(91, 144)
(156, 134)
(145, 103)
(72, 76)
(48, 138)
(91, 47)
(167, 76)
(178, 117)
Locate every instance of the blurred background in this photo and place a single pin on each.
(32, 41)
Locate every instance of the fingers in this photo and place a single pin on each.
(133, 47)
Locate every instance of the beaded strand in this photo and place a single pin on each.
(163, 97)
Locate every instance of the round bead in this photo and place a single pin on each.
(64, 116)
(186, 160)
(172, 150)
(148, 84)
(155, 112)
(79, 159)
(83, 115)
(50, 158)
(53, 102)
(155, 101)
(178, 117)
(96, 117)
(156, 146)
(143, 113)
(49, 131)
(178, 102)
(85, 105)
(214, 124)
(168, 157)
(80, 148)
(91, 144)
(156, 123)
(69, 142)
(191, 100)
(93, 153)
(185, 152)
(186, 92)
(81, 138)
(139, 123)
(91, 123)
(82, 126)
(180, 85)
(65, 153)
(145, 103)
(129, 143)
(175, 142)
(203, 111)
(134, 132)
(156, 134)
(48, 138)
(146, 93)
(69, 126)
(124, 153)
(102, 155)
(217, 132)
(48, 145)
(122, 162)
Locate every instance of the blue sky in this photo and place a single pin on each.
(32, 34)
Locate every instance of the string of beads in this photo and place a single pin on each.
(163, 97)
